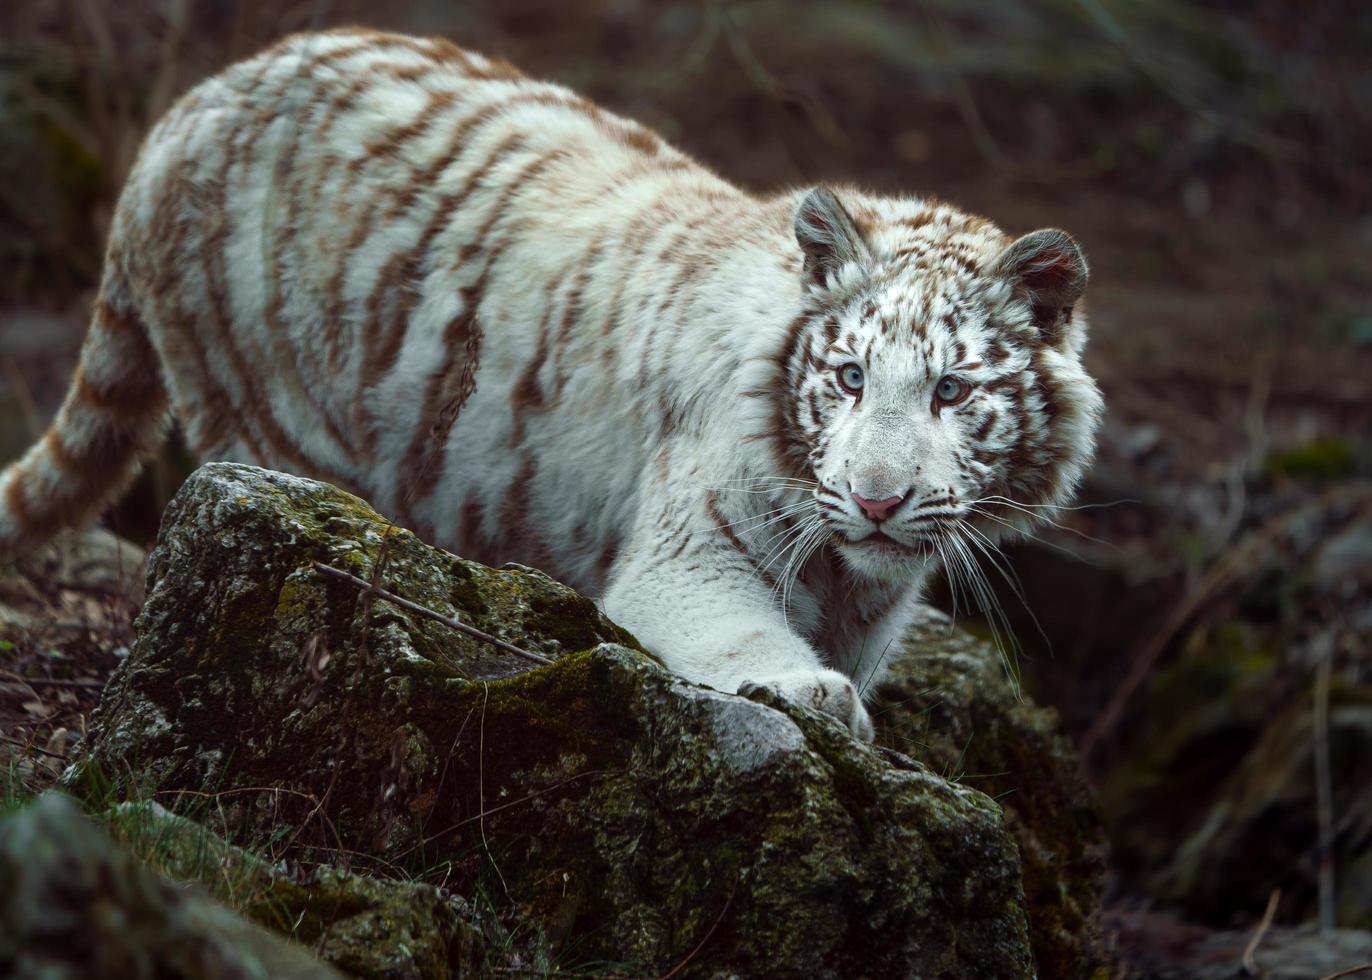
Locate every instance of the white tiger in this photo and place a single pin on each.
(537, 333)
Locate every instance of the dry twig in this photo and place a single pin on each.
(701, 945)
(437, 617)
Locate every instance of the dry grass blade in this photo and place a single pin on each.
(1250, 963)
(29, 747)
(1363, 968)
(50, 682)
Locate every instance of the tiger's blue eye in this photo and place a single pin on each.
(850, 378)
(952, 390)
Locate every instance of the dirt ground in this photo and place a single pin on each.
(1215, 161)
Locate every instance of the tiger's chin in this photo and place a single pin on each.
(885, 559)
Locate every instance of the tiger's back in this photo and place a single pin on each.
(328, 243)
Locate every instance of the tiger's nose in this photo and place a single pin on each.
(877, 510)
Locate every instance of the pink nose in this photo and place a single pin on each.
(878, 509)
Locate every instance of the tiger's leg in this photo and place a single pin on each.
(698, 603)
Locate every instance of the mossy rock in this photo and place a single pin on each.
(74, 905)
(642, 823)
(366, 927)
(949, 703)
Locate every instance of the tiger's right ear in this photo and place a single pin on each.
(828, 237)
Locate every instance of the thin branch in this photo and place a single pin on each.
(437, 617)
(509, 803)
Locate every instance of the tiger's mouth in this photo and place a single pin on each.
(881, 543)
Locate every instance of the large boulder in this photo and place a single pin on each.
(633, 817)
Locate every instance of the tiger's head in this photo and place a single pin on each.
(932, 386)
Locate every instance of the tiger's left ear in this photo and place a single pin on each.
(828, 237)
(1046, 268)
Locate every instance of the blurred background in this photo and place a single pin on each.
(1204, 622)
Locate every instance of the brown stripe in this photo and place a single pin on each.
(471, 537)
(639, 232)
(527, 394)
(685, 270)
(788, 443)
(458, 146)
(331, 346)
(519, 539)
(166, 244)
(118, 323)
(127, 397)
(56, 449)
(571, 316)
(606, 561)
(273, 107)
(17, 505)
(284, 352)
(114, 446)
(162, 240)
(722, 525)
(444, 401)
(444, 53)
(388, 144)
(406, 268)
(984, 429)
(446, 393)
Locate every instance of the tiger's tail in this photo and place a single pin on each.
(114, 417)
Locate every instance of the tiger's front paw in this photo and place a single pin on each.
(825, 690)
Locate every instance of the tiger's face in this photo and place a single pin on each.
(935, 384)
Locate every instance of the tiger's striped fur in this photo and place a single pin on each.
(537, 333)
